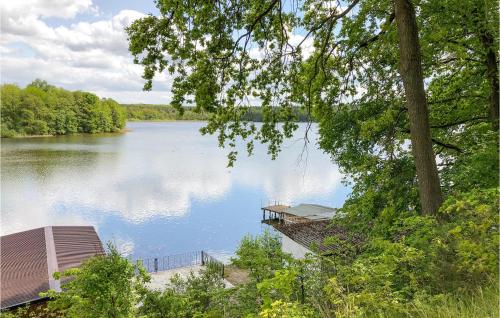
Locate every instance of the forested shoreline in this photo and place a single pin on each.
(160, 112)
(43, 109)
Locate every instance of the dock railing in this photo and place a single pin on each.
(212, 262)
(159, 264)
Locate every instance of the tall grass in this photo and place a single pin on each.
(484, 303)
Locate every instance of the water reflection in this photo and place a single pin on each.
(159, 182)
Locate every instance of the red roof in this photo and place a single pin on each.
(28, 259)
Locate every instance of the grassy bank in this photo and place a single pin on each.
(484, 302)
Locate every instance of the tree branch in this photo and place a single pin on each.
(249, 30)
(440, 143)
(450, 99)
(374, 38)
(447, 125)
(445, 145)
(333, 17)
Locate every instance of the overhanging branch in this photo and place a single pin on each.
(441, 143)
(445, 145)
(460, 122)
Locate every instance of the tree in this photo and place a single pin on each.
(261, 255)
(104, 286)
(41, 84)
(461, 93)
(117, 113)
(411, 72)
(43, 109)
(356, 68)
(197, 295)
(9, 108)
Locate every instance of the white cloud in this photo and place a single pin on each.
(90, 56)
(65, 9)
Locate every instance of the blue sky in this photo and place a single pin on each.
(76, 44)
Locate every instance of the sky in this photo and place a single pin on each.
(82, 45)
(77, 45)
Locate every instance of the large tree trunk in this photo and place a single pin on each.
(487, 39)
(492, 71)
(410, 69)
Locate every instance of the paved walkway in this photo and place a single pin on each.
(160, 279)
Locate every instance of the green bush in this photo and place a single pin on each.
(261, 255)
(103, 286)
(195, 296)
(419, 257)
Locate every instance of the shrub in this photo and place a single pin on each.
(103, 286)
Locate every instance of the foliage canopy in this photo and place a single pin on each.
(43, 109)
(340, 63)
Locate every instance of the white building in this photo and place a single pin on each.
(297, 250)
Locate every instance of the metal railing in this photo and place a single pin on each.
(212, 262)
(187, 259)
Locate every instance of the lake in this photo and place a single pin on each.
(158, 189)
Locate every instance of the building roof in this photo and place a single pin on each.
(28, 259)
(311, 211)
(312, 235)
(278, 208)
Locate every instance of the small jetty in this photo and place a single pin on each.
(175, 261)
(162, 269)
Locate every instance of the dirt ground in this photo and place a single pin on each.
(235, 275)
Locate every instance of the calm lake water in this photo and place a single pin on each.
(159, 189)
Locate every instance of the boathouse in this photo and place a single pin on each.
(28, 260)
(300, 239)
(305, 228)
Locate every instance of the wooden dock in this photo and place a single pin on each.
(280, 213)
(274, 212)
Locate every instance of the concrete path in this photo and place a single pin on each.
(160, 279)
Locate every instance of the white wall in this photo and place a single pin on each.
(290, 246)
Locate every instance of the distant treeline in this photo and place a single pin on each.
(43, 109)
(136, 112)
(255, 114)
